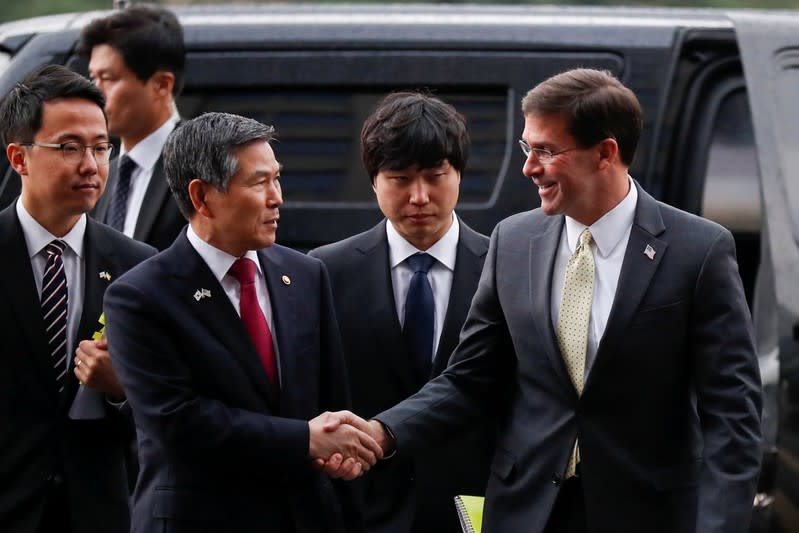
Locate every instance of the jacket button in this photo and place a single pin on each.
(556, 479)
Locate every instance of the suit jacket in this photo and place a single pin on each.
(406, 493)
(40, 447)
(160, 220)
(220, 449)
(668, 421)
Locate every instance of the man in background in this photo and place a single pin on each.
(136, 58)
(415, 148)
(62, 439)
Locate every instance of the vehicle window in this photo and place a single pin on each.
(318, 137)
(732, 181)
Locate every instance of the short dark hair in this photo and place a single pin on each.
(148, 37)
(596, 105)
(22, 107)
(204, 148)
(413, 128)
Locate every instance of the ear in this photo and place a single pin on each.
(18, 157)
(163, 82)
(197, 194)
(608, 151)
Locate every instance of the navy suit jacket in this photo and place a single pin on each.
(408, 493)
(159, 220)
(40, 447)
(220, 449)
(669, 418)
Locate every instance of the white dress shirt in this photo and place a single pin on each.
(440, 275)
(36, 239)
(611, 233)
(145, 154)
(220, 262)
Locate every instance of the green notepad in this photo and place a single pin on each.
(470, 512)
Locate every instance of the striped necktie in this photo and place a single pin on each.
(54, 308)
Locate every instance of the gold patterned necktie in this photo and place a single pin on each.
(575, 313)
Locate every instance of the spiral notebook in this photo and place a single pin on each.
(470, 512)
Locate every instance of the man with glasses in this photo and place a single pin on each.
(619, 328)
(61, 445)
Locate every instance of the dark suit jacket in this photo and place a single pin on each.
(407, 493)
(669, 419)
(160, 220)
(220, 450)
(40, 448)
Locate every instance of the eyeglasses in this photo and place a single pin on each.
(73, 152)
(543, 155)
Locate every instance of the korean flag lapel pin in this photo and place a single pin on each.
(199, 294)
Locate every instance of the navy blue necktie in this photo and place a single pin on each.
(118, 209)
(419, 310)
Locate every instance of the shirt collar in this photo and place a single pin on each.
(217, 260)
(37, 237)
(609, 230)
(148, 150)
(444, 250)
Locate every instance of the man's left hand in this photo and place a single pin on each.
(93, 369)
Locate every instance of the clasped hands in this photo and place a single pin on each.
(344, 445)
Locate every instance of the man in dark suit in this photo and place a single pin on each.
(61, 444)
(226, 345)
(619, 327)
(136, 57)
(415, 149)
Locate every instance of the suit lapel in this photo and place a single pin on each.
(284, 302)
(373, 258)
(157, 191)
(99, 257)
(468, 267)
(636, 274)
(217, 314)
(23, 299)
(543, 251)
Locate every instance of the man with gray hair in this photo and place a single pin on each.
(227, 344)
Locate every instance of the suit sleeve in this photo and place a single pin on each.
(728, 393)
(470, 388)
(148, 360)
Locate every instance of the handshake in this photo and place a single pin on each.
(345, 446)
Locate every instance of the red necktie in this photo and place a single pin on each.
(252, 316)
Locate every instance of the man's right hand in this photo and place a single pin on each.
(347, 451)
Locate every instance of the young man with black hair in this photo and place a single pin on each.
(136, 58)
(62, 437)
(414, 148)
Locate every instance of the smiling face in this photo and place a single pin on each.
(419, 201)
(573, 183)
(245, 216)
(54, 191)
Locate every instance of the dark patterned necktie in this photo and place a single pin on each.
(419, 311)
(118, 209)
(54, 308)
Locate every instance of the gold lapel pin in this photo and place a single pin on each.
(286, 280)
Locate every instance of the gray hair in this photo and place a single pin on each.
(204, 148)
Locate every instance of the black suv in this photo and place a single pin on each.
(721, 137)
